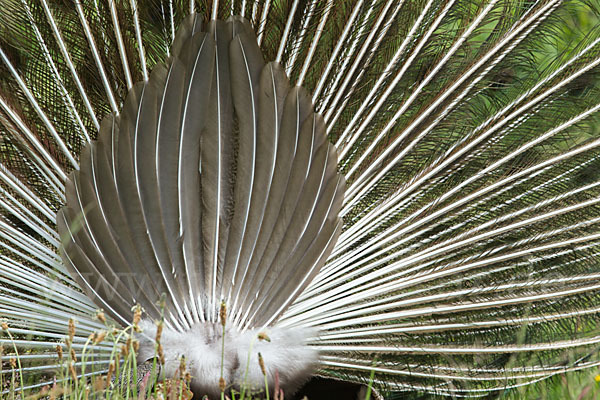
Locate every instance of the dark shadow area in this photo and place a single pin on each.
(329, 389)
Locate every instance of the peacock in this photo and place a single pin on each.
(392, 192)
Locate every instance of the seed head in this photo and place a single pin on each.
(99, 383)
(111, 370)
(100, 336)
(73, 355)
(159, 329)
(124, 350)
(72, 371)
(222, 384)
(182, 367)
(59, 351)
(223, 313)
(261, 363)
(137, 316)
(71, 329)
(161, 354)
(100, 315)
(136, 345)
(4, 326)
(264, 336)
(13, 362)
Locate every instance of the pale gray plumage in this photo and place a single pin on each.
(307, 192)
(176, 152)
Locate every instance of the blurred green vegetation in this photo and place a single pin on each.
(581, 385)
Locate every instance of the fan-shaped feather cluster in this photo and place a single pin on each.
(408, 188)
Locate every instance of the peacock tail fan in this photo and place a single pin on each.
(402, 192)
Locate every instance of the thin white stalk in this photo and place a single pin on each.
(44, 285)
(358, 60)
(307, 16)
(172, 18)
(462, 374)
(23, 191)
(57, 169)
(96, 55)
(338, 47)
(120, 44)
(373, 260)
(462, 307)
(359, 186)
(254, 12)
(56, 75)
(315, 41)
(67, 58)
(344, 312)
(38, 110)
(340, 72)
(517, 348)
(502, 121)
(286, 31)
(164, 29)
(389, 237)
(38, 166)
(243, 10)
(448, 160)
(525, 369)
(373, 110)
(215, 10)
(14, 207)
(26, 243)
(410, 36)
(371, 286)
(53, 267)
(40, 285)
(263, 20)
(398, 329)
(138, 36)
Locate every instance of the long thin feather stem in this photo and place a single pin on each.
(39, 111)
(33, 140)
(97, 58)
(359, 187)
(314, 43)
(55, 74)
(120, 44)
(263, 21)
(286, 32)
(338, 47)
(67, 57)
(138, 36)
(306, 17)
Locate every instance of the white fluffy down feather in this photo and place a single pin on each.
(287, 353)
